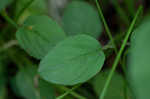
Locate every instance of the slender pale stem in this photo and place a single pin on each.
(27, 5)
(119, 54)
(12, 22)
(108, 32)
(110, 36)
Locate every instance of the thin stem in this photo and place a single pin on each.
(68, 92)
(8, 19)
(72, 92)
(8, 45)
(11, 55)
(119, 54)
(27, 5)
(108, 32)
(106, 26)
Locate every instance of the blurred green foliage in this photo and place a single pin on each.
(44, 59)
(139, 64)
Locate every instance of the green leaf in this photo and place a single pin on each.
(139, 61)
(74, 60)
(4, 3)
(26, 84)
(116, 88)
(80, 17)
(38, 35)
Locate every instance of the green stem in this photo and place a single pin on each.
(68, 92)
(106, 26)
(11, 55)
(9, 20)
(26, 6)
(108, 32)
(119, 55)
(72, 92)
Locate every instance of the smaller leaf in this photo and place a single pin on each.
(74, 60)
(38, 35)
(81, 18)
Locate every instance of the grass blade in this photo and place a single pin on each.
(119, 54)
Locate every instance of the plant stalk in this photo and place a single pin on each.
(119, 54)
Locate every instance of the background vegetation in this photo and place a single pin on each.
(74, 49)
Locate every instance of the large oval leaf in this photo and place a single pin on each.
(80, 17)
(74, 60)
(38, 35)
(139, 61)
